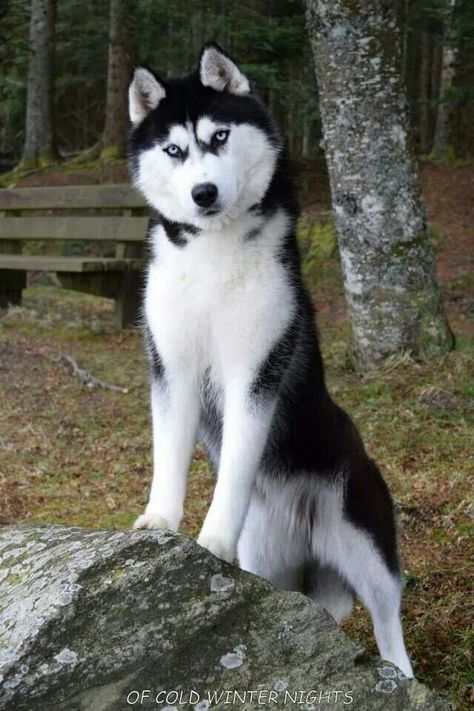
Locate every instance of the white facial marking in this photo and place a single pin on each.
(241, 171)
(206, 128)
(178, 136)
(144, 95)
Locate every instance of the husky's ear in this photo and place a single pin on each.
(144, 94)
(219, 72)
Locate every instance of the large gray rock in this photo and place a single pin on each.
(91, 619)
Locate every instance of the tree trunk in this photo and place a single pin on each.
(404, 14)
(118, 75)
(436, 62)
(305, 138)
(39, 148)
(424, 94)
(448, 70)
(387, 259)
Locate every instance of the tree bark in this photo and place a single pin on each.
(388, 265)
(448, 71)
(39, 148)
(305, 138)
(404, 14)
(118, 75)
(424, 91)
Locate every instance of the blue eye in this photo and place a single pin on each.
(173, 150)
(220, 137)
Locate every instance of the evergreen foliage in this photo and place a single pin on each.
(267, 38)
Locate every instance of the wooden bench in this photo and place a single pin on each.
(114, 214)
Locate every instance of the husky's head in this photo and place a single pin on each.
(203, 151)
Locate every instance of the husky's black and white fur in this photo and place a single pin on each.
(235, 356)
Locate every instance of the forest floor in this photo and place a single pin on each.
(81, 456)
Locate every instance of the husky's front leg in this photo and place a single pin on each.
(175, 416)
(246, 426)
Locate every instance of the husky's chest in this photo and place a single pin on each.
(223, 298)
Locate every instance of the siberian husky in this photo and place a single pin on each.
(235, 356)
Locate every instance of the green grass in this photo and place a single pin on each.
(79, 456)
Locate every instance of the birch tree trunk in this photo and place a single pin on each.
(448, 70)
(118, 75)
(39, 148)
(387, 259)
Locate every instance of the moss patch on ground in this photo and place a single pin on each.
(74, 455)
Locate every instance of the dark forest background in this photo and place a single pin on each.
(269, 41)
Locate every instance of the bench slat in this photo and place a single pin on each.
(51, 263)
(71, 197)
(116, 228)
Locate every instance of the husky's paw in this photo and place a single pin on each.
(154, 520)
(218, 546)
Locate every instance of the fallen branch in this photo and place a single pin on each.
(86, 378)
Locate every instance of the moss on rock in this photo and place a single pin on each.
(98, 614)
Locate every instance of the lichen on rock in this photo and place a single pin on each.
(97, 615)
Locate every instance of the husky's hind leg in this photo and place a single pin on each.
(356, 538)
(325, 586)
(265, 548)
(380, 591)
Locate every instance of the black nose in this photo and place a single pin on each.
(204, 194)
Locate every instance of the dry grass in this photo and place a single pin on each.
(79, 456)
